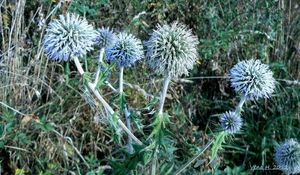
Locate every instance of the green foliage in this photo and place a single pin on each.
(59, 118)
(235, 171)
(217, 144)
(88, 7)
(104, 74)
(44, 125)
(160, 132)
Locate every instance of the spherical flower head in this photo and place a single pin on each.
(105, 37)
(125, 51)
(231, 122)
(67, 37)
(253, 79)
(287, 157)
(172, 50)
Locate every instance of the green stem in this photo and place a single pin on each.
(160, 115)
(154, 162)
(67, 71)
(105, 104)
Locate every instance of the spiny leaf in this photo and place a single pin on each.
(217, 144)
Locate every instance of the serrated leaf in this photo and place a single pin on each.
(217, 144)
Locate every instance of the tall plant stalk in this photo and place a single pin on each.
(124, 107)
(105, 104)
(128, 123)
(163, 95)
(160, 115)
(238, 108)
(100, 60)
(121, 81)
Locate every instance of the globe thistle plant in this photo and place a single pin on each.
(105, 37)
(231, 122)
(252, 78)
(287, 157)
(172, 50)
(71, 36)
(125, 51)
(67, 37)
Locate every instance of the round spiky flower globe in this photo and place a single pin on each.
(231, 122)
(172, 50)
(67, 37)
(252, 78)
(287, 157)
(105, 37)
(125, 51)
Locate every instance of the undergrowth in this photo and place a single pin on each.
(51, 124)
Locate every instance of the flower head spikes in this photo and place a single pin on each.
(231, 122)
(172, 50)
(287, 157)
(125, 51)
(105, 37)
(253, 79)
(68, 36)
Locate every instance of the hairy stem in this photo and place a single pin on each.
(100, 60)
(105, 104)
(154, 163)
(121, 80)
(241, 103)
(160, 115)
(163, 95)
(101, 56)
(128, 123)
(124, 108)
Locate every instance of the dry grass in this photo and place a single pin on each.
(51, 126)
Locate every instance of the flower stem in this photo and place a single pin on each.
(101, 56)
(163, 95)
(124, 108)
(78, 66)
(241, 103)
(121, 80)
(100, 61)
(128, 123)
(160, 115)
(105, 104)
(154, 162)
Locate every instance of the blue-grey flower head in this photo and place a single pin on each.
(231, 122)
(287, 157)
(68, 36)
(105, 37)
(253, 79)
(125, 51)
(172, 50)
